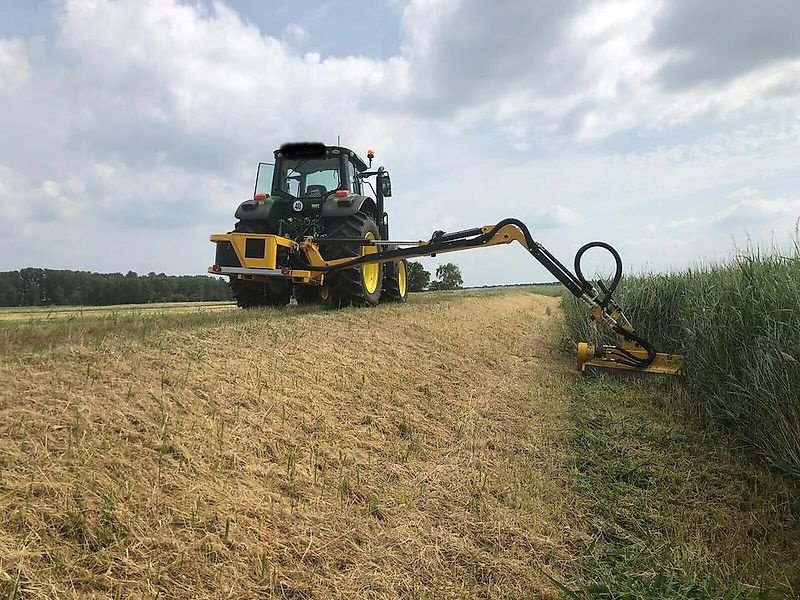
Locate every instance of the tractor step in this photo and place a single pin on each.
(220, 270)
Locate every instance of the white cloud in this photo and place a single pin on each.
(750, 209)
(747, 210)
(552, 69)
(56, 201)
(15, 69)
(10, 187)
(717, 41)
(745, 217)
(198, 88)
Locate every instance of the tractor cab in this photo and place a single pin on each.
(310, 171)
(310, 183)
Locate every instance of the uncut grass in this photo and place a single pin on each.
(738, 326)
(411, 450)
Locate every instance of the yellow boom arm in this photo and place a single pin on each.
(631, 353)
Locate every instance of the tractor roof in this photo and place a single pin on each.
(359, 162)
(318, 150)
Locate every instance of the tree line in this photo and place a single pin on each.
(50, 287)
(47, 287)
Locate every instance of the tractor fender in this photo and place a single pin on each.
(250, 210)
(332, 209)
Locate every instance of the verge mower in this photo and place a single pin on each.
(314, 231)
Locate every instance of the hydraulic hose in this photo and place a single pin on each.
(622, 356)
(625, 357)
(608, 292)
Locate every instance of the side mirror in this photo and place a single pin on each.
(385, 184)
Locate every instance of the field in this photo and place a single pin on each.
(439, 449)
(39, 314)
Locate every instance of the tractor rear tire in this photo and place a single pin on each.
(255, 294)
(357, 286)
(395, 282)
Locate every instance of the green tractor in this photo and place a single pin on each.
(324, 193)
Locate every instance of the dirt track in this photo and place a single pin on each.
(413, 450)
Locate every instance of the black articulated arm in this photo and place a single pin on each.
(603, 307)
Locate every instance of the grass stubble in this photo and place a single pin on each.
(411, 451)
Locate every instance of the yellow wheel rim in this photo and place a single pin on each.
(370, 273)
(401, 278)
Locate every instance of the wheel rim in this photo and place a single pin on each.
(370, 273)
(401, 278)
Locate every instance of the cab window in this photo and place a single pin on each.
(314, 177)
(355, 182)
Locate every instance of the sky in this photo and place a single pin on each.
(131, 129)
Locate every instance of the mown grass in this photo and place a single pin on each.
(38, 334)
(422, 450)
(304, 453)
(36, 329)
(738, 326)
(671, 510)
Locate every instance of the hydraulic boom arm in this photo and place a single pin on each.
(632, 352)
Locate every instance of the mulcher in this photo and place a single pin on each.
(316, 229)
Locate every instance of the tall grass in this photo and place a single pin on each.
(738, 326)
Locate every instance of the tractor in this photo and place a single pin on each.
(322, 192)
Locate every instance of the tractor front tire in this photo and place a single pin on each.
(395, 282)
(356, 286)
(255, 294)
(310, 294)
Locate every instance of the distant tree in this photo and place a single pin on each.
(8, 289)
(448, 277)
(418, 277)
(31, 288)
